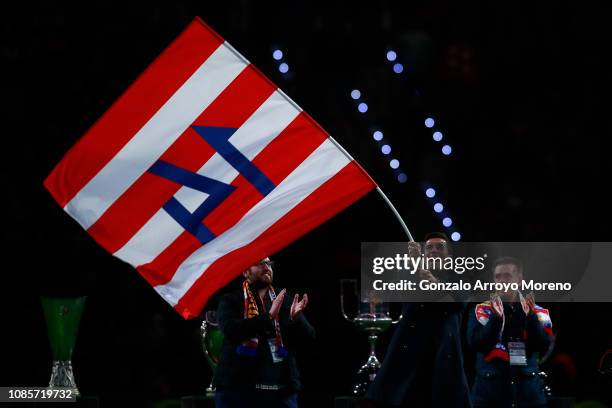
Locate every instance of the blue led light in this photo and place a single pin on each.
(277, 55)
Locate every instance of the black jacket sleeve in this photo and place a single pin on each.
(235, 327)
(537, 338)
(480, 337)
(301, 329)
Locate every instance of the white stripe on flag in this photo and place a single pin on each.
(152, 140)
(263, 126)
(190, 198)
(320, 166)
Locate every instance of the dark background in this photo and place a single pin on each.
(520, 91)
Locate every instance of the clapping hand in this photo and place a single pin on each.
(277, 303)
(528, 303)
(498, 305)
(298, 306)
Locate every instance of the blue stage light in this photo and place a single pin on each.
(277, 55)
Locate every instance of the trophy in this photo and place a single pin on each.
(373, 318)
(212, 341)
(63, 316)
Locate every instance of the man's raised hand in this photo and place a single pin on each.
(277, 303)
(298, 306)
(497, 304)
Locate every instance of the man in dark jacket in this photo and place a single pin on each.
(509, 334)
(423, 366)
(261, 328)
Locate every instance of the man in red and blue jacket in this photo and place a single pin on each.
(509, 333)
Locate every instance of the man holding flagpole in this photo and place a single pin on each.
(424, 362)
(261, 329)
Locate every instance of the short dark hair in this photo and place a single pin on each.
(441, 235)
(436, 235)
(508, 260)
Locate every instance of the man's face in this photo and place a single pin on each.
(260, 274)
(436, 248)
(507, 273)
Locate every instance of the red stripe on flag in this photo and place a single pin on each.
(240, 100)
(132, 110)
(337, 193)
(190, 151)
(160, 271)
(280, 157)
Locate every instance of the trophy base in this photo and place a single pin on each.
(366, 375)
(62, 377)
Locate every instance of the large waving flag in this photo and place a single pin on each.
(200, 169)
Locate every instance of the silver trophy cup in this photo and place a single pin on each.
(212, 342)
(372, 317)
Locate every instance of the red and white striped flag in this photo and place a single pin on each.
(202, 168)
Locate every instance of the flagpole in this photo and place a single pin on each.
(339, 147)
(382, 194)
(397, 215)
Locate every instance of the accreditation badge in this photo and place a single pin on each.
(278, 352)
(518, 353)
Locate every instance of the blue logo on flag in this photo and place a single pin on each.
(217, 191)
